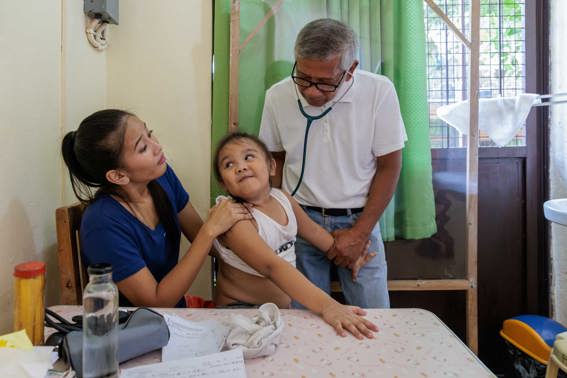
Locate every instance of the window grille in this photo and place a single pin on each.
(502, 62)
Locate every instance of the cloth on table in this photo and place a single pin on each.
(257, 336)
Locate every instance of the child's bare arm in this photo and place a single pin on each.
(243, 239)
(320, 238)
(309, 230)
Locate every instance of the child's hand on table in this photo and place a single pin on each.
(349, 318)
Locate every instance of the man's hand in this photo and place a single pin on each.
(349, 246)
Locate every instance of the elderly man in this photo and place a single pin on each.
(336, 134)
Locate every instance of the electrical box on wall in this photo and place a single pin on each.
(105, 10)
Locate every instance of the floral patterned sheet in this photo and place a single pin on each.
(410, 343)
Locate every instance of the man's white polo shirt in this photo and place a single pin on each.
(342, 146)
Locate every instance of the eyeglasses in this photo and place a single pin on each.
(323, 87)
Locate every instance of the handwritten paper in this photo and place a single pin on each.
(192, 339)
(217, 365)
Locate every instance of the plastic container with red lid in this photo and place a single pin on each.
(29, 288)
(29, 269)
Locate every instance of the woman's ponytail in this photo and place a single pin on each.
(93, 150)
(79, 183)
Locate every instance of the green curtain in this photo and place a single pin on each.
(403, 61)
(392, 41)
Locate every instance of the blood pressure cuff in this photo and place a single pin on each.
(144, 331)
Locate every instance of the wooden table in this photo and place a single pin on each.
(410, 343)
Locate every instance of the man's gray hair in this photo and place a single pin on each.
(324, 38)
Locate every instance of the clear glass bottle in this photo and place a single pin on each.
(100, 324)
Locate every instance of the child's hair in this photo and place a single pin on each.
(235, 137)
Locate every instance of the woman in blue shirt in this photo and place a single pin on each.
(135, 218)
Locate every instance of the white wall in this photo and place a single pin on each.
(50, 79)
(159, 67)
(83, 79)
(29, 122)
(558, 158)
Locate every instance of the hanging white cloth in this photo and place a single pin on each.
(500, 118)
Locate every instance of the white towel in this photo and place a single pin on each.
(500, 117)
(259, 335)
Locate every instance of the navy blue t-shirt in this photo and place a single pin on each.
(111, 234)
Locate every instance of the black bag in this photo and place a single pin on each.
(141, 331)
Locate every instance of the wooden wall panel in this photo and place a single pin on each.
(502, 281)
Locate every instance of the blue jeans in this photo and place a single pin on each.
(371, 287)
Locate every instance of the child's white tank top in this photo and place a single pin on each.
(281, 239)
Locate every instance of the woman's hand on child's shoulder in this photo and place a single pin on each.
(225, 214)
(349, 318)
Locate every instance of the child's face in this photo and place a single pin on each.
(245, 169)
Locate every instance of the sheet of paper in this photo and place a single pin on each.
(192, 339)
(32, 363)
(217, 365)
(18, 340)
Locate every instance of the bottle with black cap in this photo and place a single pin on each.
(100, 324)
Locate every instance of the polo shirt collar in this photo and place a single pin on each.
(348, 97)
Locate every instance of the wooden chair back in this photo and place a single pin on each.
(73, 273)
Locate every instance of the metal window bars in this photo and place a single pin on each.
(501, 68)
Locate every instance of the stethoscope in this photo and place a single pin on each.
(310, 119)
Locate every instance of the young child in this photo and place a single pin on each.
(257, 257)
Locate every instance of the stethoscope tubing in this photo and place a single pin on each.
(310, 120)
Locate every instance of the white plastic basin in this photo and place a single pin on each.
(555, 210)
